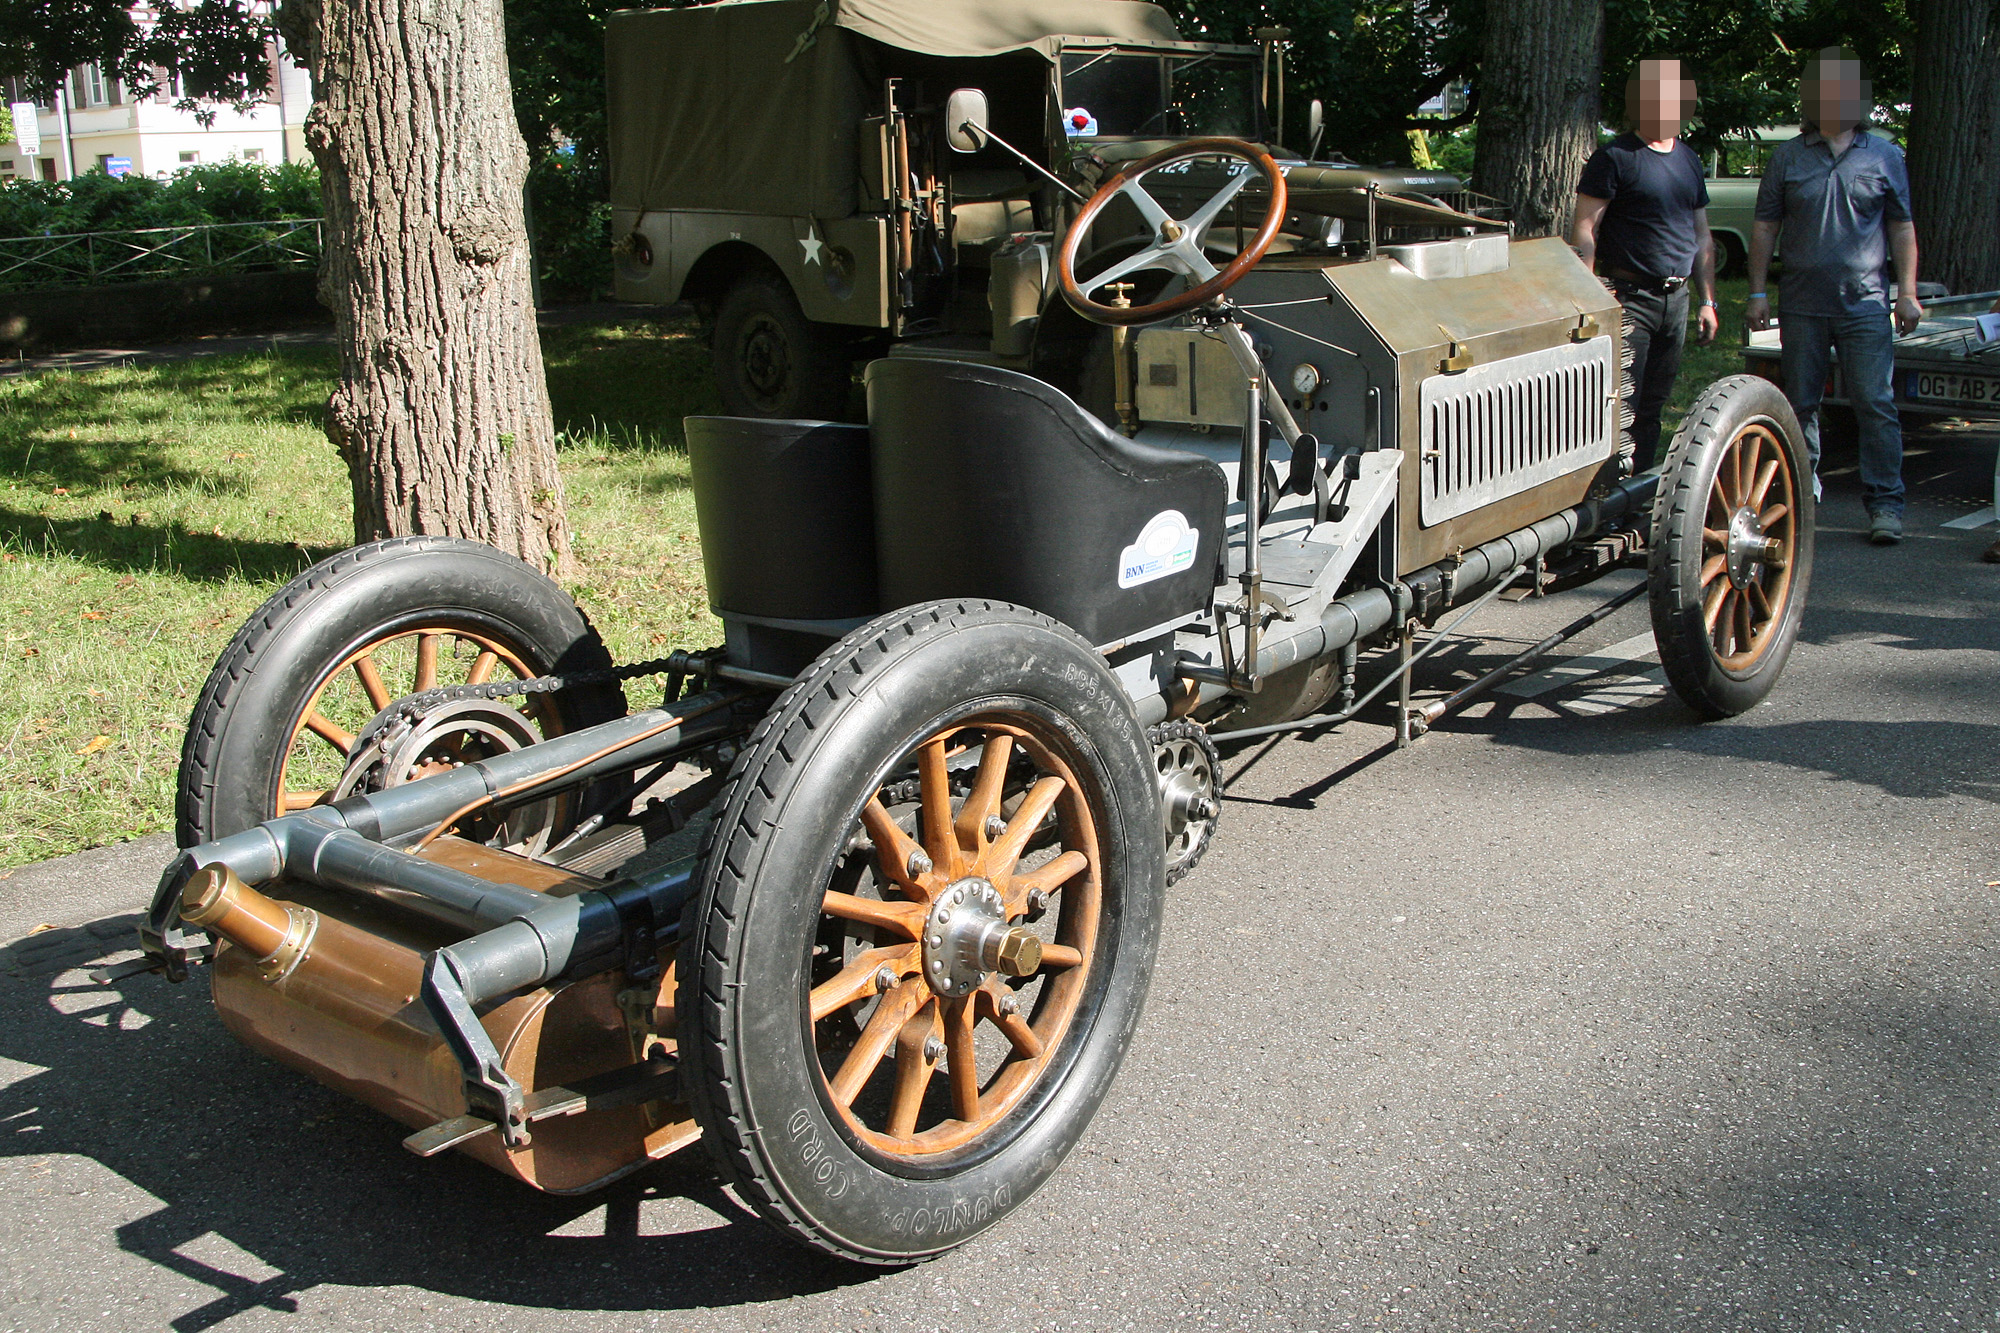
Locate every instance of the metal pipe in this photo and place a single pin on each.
(1437, 708)
(1400, 674)
(343, 859)
(1357, 615)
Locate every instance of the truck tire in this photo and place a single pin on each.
(310, 664)
(771, 361)
(1732, 546)
(815, 1004)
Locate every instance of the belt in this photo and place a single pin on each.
(1645, 283)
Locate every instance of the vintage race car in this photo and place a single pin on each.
(960, 737)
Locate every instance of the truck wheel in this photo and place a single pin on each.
(926, 923)
(1730, 259)
(771, 361)
(273, 728)
(1732, 546)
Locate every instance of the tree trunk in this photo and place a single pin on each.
(442, 413)
(1955, 143)
(1538, 107)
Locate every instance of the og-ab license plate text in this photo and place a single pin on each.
(1930, 386)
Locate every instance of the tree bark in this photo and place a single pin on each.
(442, 413)
(1955, 143)
(1538, 107)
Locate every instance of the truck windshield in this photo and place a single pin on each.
(1114, 94)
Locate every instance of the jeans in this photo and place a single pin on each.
(1658, 331)
(1866, 345)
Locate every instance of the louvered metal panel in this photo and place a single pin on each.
(1505, 427)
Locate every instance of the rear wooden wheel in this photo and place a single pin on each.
(913, 1068)
(929, 907)
(403, 662)
(274, 726)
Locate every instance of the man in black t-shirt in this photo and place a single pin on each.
(1642, 224)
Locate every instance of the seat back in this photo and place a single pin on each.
(990, 483)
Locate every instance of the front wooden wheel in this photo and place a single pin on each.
(1732, 546)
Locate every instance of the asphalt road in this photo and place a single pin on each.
(1576, 1015)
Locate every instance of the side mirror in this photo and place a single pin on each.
(965, 120)
(1315, 120)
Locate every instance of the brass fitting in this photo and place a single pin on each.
(276, 934)
(1016, 952)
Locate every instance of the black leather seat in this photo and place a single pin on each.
(990, 483)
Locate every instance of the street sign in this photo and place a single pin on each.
(27, 127)
(118, 166)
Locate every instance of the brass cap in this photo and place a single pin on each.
(1019, 953)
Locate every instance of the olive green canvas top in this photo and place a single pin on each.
(754, 106)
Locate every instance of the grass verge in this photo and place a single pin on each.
(146, 511)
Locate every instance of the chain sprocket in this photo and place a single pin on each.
(1190, 775)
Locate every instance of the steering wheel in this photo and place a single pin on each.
(1176, 243)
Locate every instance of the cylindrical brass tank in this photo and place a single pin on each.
(349, 1013)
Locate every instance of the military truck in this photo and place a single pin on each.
(781, 165)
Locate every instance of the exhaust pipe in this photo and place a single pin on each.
(276, 935)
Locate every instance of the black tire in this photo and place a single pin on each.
(755, 1061)
(1730, 259)
(252, 710)
(771, 361)
(1724, 639)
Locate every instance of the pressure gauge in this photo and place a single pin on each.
(1305, 379)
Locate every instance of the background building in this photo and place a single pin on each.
(109, 130)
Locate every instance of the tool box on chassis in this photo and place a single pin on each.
(957, 743)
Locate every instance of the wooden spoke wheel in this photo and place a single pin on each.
(1748, 537)
(1732, 546)
(402, 662)
(276, 726)
(958, 940)
(926, 922)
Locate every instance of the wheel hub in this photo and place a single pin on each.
(1748, 548)
(967, 935)
(398, 747)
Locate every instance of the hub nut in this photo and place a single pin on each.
(933, 1050)
(1015, 952)
(967, 937)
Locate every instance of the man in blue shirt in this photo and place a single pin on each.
(1642, 222)
(1842, 198)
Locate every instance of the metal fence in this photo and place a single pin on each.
(89, 259)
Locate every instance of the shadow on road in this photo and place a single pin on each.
(143, 1080)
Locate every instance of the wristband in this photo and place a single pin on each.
(1756, 296)
(1711, 305)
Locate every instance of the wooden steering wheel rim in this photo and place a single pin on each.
(1201, 294)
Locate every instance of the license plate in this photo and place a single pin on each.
(1930, 386)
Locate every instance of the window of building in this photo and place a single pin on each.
(48, 172)
(6, 164)
(253, 155)
(104, 162)
(189, 157)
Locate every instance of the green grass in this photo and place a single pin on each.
(145, 512)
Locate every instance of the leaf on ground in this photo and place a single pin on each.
(31, 652)
(96, 743)
(93, 615)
